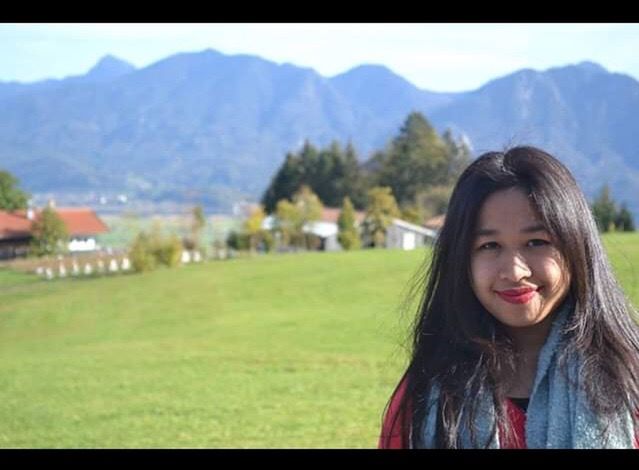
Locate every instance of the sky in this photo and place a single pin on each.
(445, 57)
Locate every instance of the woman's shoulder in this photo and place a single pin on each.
(396, 424)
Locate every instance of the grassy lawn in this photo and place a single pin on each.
(277, 351)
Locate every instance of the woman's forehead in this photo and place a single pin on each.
(507, 209)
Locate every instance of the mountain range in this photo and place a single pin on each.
(212, 128)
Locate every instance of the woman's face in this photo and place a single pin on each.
(517, 273)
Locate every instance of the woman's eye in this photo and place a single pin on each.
(489, 246)
(538, 242)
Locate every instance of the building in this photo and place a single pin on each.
(406, 236)
(400, 234)
(82, 224)
(326, 229)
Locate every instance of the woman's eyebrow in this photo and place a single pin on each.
(487, 232)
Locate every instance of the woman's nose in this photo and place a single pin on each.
(513, 267)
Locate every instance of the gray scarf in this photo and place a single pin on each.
(558, 415)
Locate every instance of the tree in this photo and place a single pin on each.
(197, 225)
(352, 178)
(623, 220)
(253, 227)
(348, 235)
(382, 208)
(292, 216)
(289, 177)
(50, 234)
(332, 173)
(11, 197)
(310, 208)
(459, 155)
(237, 241)
(289, 223)
(604, 210)
(413, 214)
(141, 254)
(434, 200)
(416, 159)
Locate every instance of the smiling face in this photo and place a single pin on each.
(517, 273)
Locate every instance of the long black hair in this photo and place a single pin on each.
(459, 345)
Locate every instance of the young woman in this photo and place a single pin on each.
(523, 336)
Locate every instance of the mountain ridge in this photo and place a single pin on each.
(212, 124)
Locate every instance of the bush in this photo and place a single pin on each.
(149, 251)
(268, 242)
(168, 251)
(141, 254)
(238, 241)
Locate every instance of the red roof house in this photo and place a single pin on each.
(82, 224)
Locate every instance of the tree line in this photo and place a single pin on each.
(418, 165)
(411, 178)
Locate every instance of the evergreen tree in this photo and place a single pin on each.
(459, 156)
(417, 158)
(604, 210)
(623, 220)
(348, 235)
(352, 179)
(11, 197)
(332, 173)
(327, 176)
(50, 234)
(381, 210)
(286, 181)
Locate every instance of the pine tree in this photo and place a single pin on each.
(604, 210)
(327, 175)
(353, 179)
(458, 155)
(286, 181)
(417, 158)
(348, 235)
(623, 220)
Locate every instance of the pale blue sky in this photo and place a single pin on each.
(437, 57)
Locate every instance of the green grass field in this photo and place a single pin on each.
(123, 228)
(278, 351)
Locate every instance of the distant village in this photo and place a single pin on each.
(82, 255)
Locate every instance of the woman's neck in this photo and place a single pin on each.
(528, 342)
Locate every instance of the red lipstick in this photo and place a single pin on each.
(519, 295)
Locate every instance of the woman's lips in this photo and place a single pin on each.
(520, 295)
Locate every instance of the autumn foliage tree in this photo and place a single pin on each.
(50, 235)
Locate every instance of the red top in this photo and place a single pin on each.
(393, 438)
